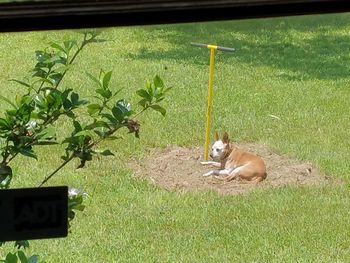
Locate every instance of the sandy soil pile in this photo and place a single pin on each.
(178, 169)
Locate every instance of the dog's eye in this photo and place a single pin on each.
(218, 150)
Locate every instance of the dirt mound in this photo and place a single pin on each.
(178, 168)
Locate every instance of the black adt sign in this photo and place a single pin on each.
(33, 213)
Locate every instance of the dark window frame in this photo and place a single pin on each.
(45, 15)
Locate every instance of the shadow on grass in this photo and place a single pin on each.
(306, 47)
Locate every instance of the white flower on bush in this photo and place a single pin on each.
(31, 125)
(75, 192)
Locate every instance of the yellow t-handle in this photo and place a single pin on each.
(212, 49)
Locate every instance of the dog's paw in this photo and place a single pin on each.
(208, 173)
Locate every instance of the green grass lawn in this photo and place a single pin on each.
(295, 68)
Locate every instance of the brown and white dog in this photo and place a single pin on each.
(234, 163)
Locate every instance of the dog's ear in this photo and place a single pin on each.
(216, 136)
(225, 138)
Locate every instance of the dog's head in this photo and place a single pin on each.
(220, 148)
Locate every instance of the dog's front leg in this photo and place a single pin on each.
(217, 172)
(215, 164)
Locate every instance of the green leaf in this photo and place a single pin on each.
(104, 153)
(4, 125)
(69, 44)
(97, 124)
(71, 140)
(65, 93)
(110, 118)
(43, 80)
(97, 40)
(8, 101)
(74, 200)
(144, 94)
(21, 82)
(74, 98)
(46, 133)
(28, 152)
(11, 258)
(56, 59)
(56, 77)
(117, 113)
(22, 257)
(158, 82)
(77, 126)
(95, 80)
(57, 46)
(107, 153)
(159, 109)
(33, 259)
(144, 103)
(84, 133)
(158, 93)
(54, 99)
(159, 99)
(112, 138)
(149, 87)
(39, 115)
(82, 102)
(79, 207)
(5, 176)
(121, 110)
(41, 56)
(5, 183)
(39, 101)
(106, 93)
(25, 99)
(101, 131)
(11, 115)
(106, 79)
(67, 104)
(70, 114)
(93, 108)
(124, 106)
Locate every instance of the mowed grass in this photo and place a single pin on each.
(287, 86)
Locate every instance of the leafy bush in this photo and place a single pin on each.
(28, 123)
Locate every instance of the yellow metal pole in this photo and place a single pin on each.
(210, 99)
(212, 49)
